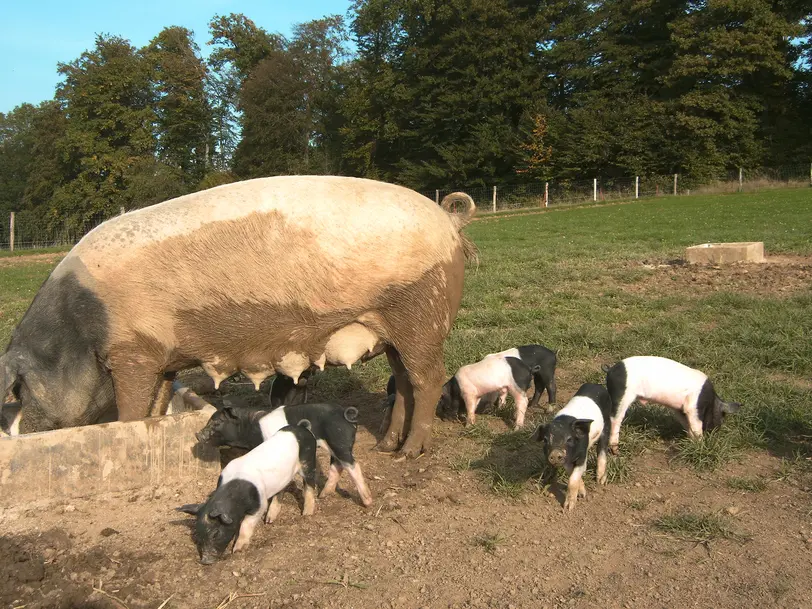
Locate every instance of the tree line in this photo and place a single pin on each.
(426, 93)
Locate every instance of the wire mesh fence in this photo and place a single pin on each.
(29, 229)
(569, 192)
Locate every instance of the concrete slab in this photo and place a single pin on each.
(118, 456)
(725, 253)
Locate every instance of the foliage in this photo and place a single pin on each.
(437, 95)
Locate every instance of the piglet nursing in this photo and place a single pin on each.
(502, 375)
(333, 426)
(573, 430)
(663, 381)
(246, 485)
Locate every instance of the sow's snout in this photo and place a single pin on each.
(203, 436)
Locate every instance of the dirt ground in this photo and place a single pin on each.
(442, 532)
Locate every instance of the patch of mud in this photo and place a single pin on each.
(778, 276)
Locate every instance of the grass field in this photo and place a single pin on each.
(472, 524)
(585, 282)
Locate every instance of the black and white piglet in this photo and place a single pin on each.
(333, 426)
(246, 485)
(542, 362)
(648, 378)
(573, 430)
(503, 375)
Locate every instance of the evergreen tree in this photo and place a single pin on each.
(183, 116)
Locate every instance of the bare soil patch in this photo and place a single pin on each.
(436, 536)
(778, 276)
(10, 261)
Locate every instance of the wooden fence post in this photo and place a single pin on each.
(122, 210)
(675, 183)
(437, 197)
(636, 187)
(740, 180)
(494, 198)
(11, 232)
(594, 189)
(546, 194)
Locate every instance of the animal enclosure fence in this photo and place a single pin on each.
(30, 230)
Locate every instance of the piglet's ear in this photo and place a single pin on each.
(223, 517)
(189, 508)
(730, 407)
(539, 434)
(581, 427)
(229, 412)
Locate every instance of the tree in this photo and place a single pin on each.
(183, 116)
(240, 45)
(729, 54)
(107, 98)
(288, 105)
(461, 79)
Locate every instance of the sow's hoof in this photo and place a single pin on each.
(614, 449)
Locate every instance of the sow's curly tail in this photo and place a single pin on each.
(460, 219)
(351, 414)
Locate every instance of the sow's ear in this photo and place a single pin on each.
(730, 407)
(190, 508)
(229, 412)
(8, 373)
(580, 428)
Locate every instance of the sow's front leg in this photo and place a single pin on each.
(136, 383)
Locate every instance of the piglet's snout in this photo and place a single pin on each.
(556, 457)
(202, 436)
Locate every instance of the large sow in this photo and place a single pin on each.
(272, 275)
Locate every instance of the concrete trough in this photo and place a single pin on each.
(725, 253)
(117, 456)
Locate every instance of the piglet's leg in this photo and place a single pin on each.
(520, 397)
(689, 410)
(332, 478)
(503, 397)
(601, 469)
(309, 480)
(616, 419)
(247, 527)
(575, 486)
(273, 510)
(470, 409)
(357, 476)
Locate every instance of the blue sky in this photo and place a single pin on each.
(35, 35)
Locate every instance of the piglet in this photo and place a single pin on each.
(333, 426)
(573, 430)
(663, 381)
(284, 392)
(246, 485)
(492, 374)
(542, 362)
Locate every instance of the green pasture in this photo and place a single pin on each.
(585, 281)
